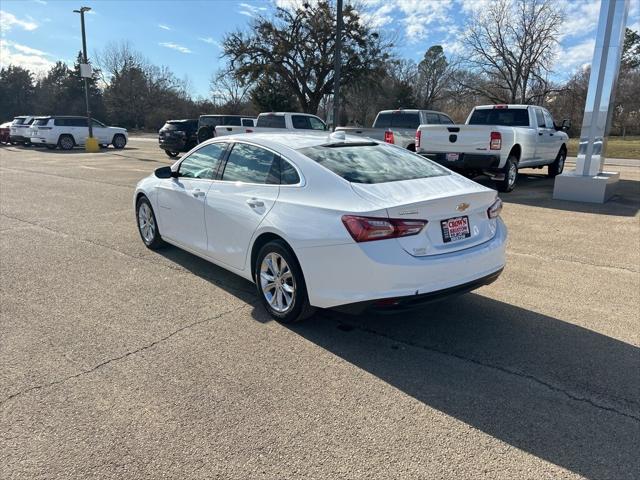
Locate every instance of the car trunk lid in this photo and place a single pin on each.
(458, 202)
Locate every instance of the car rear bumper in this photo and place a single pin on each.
(19, 138)
(466, 161)
(353, 273)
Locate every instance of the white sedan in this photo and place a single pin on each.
(326, 220)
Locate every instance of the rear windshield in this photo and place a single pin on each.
(373, 162)
(398, 120)
(509, 117)
(40, 122)
(271, 121)
(181, 125)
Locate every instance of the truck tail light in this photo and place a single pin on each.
(366, 229)
(248, 130)
(496, 141)
(388, 137)
(494, 210)
(418, 138)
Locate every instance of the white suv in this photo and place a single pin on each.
(67, 132)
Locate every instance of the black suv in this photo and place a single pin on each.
(178, 136)
(208, 123)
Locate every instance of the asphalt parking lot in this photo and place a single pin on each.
(120, 362)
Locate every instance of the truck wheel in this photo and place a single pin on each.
(204, 134)
(557, 166)
(510, 171)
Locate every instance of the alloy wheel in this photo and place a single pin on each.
(277, 282)
(146, 223)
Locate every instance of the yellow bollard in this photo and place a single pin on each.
(91, 145)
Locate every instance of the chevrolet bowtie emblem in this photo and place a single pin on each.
(462, 207)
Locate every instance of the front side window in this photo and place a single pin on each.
(247, 122)
(548, 119)
(317, 124)
(203, 163)
(540, 118)
(61, 122)
(77, 122)
(445, 120)
(250, 164)
(210, 121)
(373, 162)
(300, 122)
(96, 124)
(232, 121)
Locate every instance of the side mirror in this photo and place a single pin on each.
(566, 125)
(164, 172)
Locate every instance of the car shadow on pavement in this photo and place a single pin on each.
(555, 390)
(558, 391)
(536, 190)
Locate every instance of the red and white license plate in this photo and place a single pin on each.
(452, 157)
(454, 229)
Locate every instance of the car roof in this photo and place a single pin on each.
(294, 141)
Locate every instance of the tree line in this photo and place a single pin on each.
(285, 62)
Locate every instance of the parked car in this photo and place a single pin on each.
(321, 221)
(497, 140)
(67, 132)
(5, 133)
(178, 136)
(274, 121)
(208, 123)
(19, 130)
(399, 126)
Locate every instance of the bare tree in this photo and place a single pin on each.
(511, 44)
(434, 77)
(234, 92)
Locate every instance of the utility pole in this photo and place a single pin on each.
(337, 62)
(84, 60)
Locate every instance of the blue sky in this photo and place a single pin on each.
(185, 35)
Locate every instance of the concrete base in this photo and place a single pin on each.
(580, 188)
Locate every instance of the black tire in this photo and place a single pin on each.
(557, 166)
(298, 308)
(66, 142)
(51, 147)
(204, 134)
(119, 141)
(171, 154)
(510, 171)
(151, 238)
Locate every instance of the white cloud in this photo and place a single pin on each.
(378, 16)
(9, 20)
(163, 26)
(12, 53)
(210, 41)
(581, 19)
(569, 59)
(175, 46)
(250, 10)
(41, 2)
(420, 15)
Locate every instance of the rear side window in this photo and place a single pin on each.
(18, 121)
(247, 122)
(271, 121)
(509, 117)
(40, 122)
(301, 122)
(373, 163)
(211, 121)
(233, 121)
(285, 172)
(432, 118)
(203, 163)
(250, 164)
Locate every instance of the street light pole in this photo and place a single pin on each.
(337, 64)
(84, 60)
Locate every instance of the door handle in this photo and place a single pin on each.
(255, 203)
(551, 134)
(198, 193)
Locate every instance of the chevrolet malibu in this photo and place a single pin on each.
(326, 221)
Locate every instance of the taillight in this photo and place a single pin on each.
(496, 141)
(494, 210)
(248, 130)
(366, 229)
(418, 137)
(388, 137)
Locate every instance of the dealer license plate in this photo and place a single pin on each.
(453, 157)
(454, 229)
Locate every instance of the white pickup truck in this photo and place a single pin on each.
(399, 126)
(497, 140)
(277, 121)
